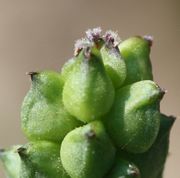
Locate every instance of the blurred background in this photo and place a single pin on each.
(36, 35)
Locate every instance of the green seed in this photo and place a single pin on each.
(41, 160)
(151, 163)
(135, 51)
(11, 161)
(87, 152)
(113, 62)
(43, 114)
(88, 94)
(134, 119)
(124, 169)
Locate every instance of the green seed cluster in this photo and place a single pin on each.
(99, 117)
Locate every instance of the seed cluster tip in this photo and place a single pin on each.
(94, 37)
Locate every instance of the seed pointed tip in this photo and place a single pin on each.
(173, 118)
(32, 74)
(90, 134)
(133, 171)
(21, 151)
(149, 38)
(163, 91)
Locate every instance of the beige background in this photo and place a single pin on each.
(39, 34)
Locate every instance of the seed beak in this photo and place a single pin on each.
(32, 75)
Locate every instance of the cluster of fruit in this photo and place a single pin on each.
(98, 118)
